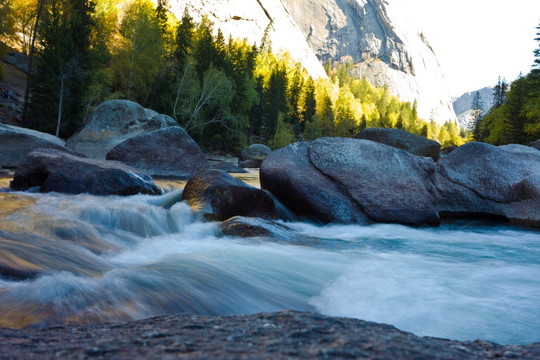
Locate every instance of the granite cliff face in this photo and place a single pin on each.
(370, 32)
(381, 44)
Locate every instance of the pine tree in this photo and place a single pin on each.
(294, 93)
(204, 48)
(477, 102)
(499, 93)
(308, 104)
(477, 107)
(399, 123)
(184, 38)
(536, 64)
(275, 100)
(514, 116)
(257, 109)
(325, 115)
(64, 60)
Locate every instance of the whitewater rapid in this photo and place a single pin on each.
(126, 258)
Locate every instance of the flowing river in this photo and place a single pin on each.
(126, 258)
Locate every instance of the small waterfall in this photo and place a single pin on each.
(284, 212)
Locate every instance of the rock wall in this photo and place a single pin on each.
(379, 41)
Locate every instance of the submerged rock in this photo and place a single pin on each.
(479, 178)
(164, 152)
(401, 139)
(112, 122)
(16, 143)
(217, 195)
(54, 170)
(27, 256)
(291, 177)
(250, 227)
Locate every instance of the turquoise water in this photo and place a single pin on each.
(119, 259)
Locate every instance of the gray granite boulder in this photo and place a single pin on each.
(17, 142)
(167, 152)
(216, 195)
(253, 156)
(389, 185)
(401, 139)
(291, 177)
(535, 144)
(112, 122)
(53, 170)
(483, 179)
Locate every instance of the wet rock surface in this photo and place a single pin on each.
(280, 335)
(58, 171)
(164, 152)
(401, 139)
(216, 195)
(265, 230)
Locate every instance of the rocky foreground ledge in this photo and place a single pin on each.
(281, 335)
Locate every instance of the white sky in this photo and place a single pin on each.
(477, 40)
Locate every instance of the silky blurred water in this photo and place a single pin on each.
(126, 258)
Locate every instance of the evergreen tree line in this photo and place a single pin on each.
(515, 115)
(225, 92)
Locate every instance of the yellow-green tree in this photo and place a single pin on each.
(139, 56)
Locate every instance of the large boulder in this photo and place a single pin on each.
(216, 195)
(401, 139)
(253, 156)
(112, 122)
(16, 143)
(291, 177)
(535, 144)
(57, 171)
(479, 178)
(389, 185)
(169, 152)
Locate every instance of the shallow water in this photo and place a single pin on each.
(126, 258)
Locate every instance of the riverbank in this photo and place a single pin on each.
(278, 335)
